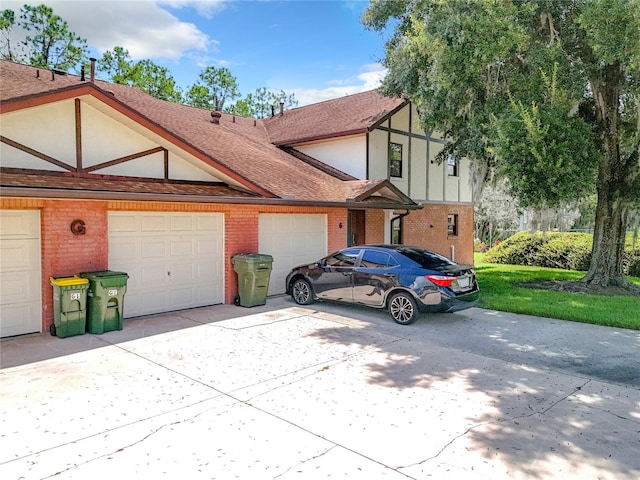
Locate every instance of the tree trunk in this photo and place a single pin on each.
(606, 268)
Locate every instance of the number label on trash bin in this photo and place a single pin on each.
(113, 292)
(74, 295)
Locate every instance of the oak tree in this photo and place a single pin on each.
(546, 92)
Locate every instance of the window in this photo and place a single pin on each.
(452, 166)
(395, 159)
(346, 258)
(375, 259)
(452, 225)
(396, 230)
(426, 259)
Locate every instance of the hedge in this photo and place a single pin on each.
(569, 251)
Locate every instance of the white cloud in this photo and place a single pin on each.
(369, 79)
(141, 27)
(205, 8)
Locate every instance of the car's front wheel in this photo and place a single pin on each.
(301, 292)
(403, 308)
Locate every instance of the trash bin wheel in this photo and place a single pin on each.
(236, 301)
(52, 330)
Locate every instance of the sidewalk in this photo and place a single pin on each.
(285, 392)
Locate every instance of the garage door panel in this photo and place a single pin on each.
(153, 275)
(13, 319)
(292, 239)
(19, 254)
(185, 247)
(20, 224)
(153, 248)
(181, 223)
(123, 223)
(20, 272)
(18, 287)
(125, 248)
(208, 224)
(173, 268)
(153, 223)
(203, 247)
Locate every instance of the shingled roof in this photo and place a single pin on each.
(349, 115)
(237, 146)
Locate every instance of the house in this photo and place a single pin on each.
(368, 136)
(95, 176)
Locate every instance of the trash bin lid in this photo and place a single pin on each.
(67, 281)
(251, 258)
(103, 274)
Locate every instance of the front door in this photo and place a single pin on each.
(356, 228)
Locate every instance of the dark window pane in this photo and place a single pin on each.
(395, 160)
(452, 166)
(452, 225)
(346, 258)
(375, 259)
(425, 259)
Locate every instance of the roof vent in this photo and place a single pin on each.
(93, 69)
(215, 117)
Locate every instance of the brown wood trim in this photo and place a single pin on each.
(166, 164)
(36, 153)
(120, 160)
(78, 135)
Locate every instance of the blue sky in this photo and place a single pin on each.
(315, 49)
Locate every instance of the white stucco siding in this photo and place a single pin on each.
(400, 120)
(466, 193)
(378, 155)
(48, 129)
(419, 168)
(105, 139)
(452, 186)
(436, 173)
(348, 154)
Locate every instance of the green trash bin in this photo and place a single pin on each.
(106, 300)
(69, 306)
(254, 271)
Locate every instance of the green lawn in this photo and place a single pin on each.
(499, 292)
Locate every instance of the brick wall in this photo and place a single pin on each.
(428, 228)
(375, 227)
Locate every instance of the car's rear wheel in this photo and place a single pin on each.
(301, 292)
(403, 308)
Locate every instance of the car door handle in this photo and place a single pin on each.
(390, 275)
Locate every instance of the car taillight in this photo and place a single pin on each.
(441, 280)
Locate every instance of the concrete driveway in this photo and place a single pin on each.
(282, 392)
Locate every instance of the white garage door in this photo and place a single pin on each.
(291, 239)
(20, 274)
(174, 260)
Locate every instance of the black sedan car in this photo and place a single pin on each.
(405, 280)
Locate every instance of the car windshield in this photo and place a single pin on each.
(425, 259)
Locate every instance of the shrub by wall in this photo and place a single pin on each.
(569, 251)
(519, 249)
